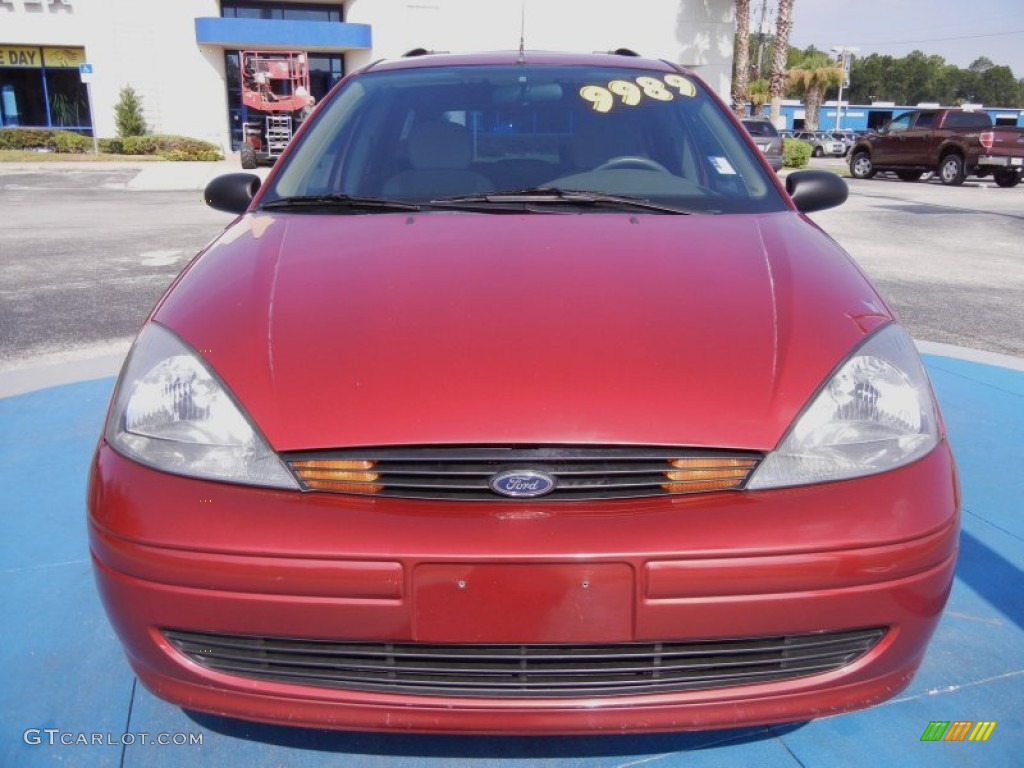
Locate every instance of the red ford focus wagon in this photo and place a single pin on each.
(523, 398)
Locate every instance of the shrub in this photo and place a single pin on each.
(112, 146)
(128, 114)
(795, 153)
(26, 138)
(68, 142)
(167, 147)
(185, 148)
(171, 147)
(138, 145)
(44, 138)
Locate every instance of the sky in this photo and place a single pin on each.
(958, 30)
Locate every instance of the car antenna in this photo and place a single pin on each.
(522, 32)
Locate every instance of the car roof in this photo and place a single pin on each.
(549, 58)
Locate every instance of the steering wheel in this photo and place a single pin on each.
(632, 161)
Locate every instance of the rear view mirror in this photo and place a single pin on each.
(232, 192)
(511, 94)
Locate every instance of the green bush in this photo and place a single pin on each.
(185, 148)
(138, 145)
(112, 146)
(128, 114)
(26, 138)
(171, 147)
(166, 147)
(795, 153)
(68, 142)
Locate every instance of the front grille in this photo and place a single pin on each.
(527, 671)
(575, 472)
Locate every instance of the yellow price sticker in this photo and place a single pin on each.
(599, 96)
(629, 93)
(682, 84)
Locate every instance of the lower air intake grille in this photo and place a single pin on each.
(496, 472)
(527, 671)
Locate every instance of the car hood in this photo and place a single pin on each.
(463, 328)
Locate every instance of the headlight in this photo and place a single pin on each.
(876, 413)
(170, 412)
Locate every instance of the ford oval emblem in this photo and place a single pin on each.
(522, 483)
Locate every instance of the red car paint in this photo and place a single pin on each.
(717, 565)
(410, 317)
(461, 328)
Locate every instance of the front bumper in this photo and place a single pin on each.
(178, 554)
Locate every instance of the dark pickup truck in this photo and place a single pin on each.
(952, 143)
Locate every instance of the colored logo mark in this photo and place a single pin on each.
(958, 730)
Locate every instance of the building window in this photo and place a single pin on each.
(324, 71)
(251, 9)
(69, 106)
(43, 89)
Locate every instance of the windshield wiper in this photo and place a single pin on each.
(558, 195)
(339, 201)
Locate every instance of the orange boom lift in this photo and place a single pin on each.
(275, 92)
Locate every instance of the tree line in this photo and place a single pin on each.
(918, 77)
(814, 76)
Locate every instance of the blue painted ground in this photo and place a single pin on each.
(62, 668)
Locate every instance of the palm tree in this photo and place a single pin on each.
(741, 56)
(811, 78)
(758, 93)
(777, 78)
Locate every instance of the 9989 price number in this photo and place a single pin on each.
(632, 92)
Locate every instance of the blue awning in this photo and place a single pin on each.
(267, 34)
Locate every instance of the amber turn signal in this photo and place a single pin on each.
(338, 476)
(706, 474)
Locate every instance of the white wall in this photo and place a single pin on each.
(693, 33)
(149, 45)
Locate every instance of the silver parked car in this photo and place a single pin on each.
(767, 139)
(822, 143)
(848, 137)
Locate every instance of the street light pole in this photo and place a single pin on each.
(762, 33)
(839, 105)
(844, 57)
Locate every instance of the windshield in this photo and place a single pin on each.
(760, 128)
(438, 133)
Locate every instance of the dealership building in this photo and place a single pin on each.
(182, 56)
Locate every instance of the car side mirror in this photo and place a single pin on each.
(816, 190)
(232, 192)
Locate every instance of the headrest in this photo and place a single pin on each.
(440, 145)
(598, 140)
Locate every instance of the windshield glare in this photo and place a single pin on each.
(431, 133)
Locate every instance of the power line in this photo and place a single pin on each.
(943, 39)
